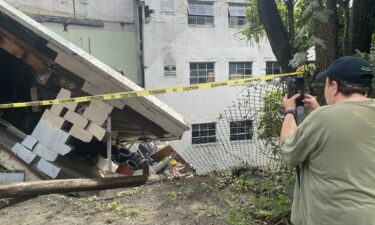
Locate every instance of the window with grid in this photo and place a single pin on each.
(201, 73)
(241, 130)
(203, 133)
(200, 13)
(236, 14)
(273, 67)
(238, 70)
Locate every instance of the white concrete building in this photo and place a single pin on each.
(107, 29)
(190, 42)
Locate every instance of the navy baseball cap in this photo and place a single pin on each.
(350, 69)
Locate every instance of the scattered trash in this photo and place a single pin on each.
(163, 160)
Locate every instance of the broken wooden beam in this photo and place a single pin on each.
(33, 188)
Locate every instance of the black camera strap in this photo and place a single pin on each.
(298, 174)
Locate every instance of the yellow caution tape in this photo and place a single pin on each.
(132, 94)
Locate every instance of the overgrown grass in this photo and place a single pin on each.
(250, 199)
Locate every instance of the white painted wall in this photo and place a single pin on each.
(108, 10)
(116, 44)
(168, 38)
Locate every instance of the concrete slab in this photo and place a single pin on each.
(45, 153)
(80, 134)
(29, 142)
(48, 168)
(96, 130)
(23, 153)
(103, 105)
(51, 137)
(63, 93)
(7, 177)
(56, 109)
(52, 119)
(11, 162)
(76, 119)
(97, 113)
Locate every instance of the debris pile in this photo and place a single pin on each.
(163, 160)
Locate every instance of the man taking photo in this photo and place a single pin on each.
(334, 147)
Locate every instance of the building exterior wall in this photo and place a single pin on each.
(116, 43)
(107, 10)
(168, 38)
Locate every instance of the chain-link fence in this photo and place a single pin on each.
(245, 134)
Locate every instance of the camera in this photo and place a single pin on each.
(296, 85)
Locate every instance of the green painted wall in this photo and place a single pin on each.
(114, 44)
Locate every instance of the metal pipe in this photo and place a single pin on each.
(109, 144)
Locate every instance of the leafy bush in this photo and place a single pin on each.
(370, 58)
(258, 199)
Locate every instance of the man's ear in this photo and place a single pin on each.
(335, 87)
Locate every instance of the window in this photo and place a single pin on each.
(167, 6)
(203, 133)
(170, 69)
(241, 130)
(273, 68)
(200, 13)
(238, 70)
(201, 73)
(236, 14)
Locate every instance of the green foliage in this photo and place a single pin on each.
(270, 120)
(257, 200)
(189, 192)
(255, 30)
(99, 206)
(173, 195)
(213, 210)
(370, 58)
(129, 192)
(242, 185)
(271, 203)
(119, 208)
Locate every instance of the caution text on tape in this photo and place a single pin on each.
(142, 93)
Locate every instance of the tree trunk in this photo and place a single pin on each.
(276, 33)
(362, 24)
(290, 9)
(329, 34)
(32, 188)
(347, 47)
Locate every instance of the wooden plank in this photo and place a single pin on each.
(34, 97)
(27, 54)
(72, 185)
(164, 152)
(69, 185)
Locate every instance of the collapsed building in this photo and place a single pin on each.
(56, 141)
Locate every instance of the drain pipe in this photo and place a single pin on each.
(109, 144)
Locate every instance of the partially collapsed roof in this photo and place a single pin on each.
(61, 66)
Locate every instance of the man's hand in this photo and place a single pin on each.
(289, 123)
(310, 103)
(289, 103)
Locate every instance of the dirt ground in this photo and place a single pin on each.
(183, 202)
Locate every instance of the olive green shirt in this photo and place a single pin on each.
(335, 147)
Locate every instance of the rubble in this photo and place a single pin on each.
(163, 160)
(56, 142)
